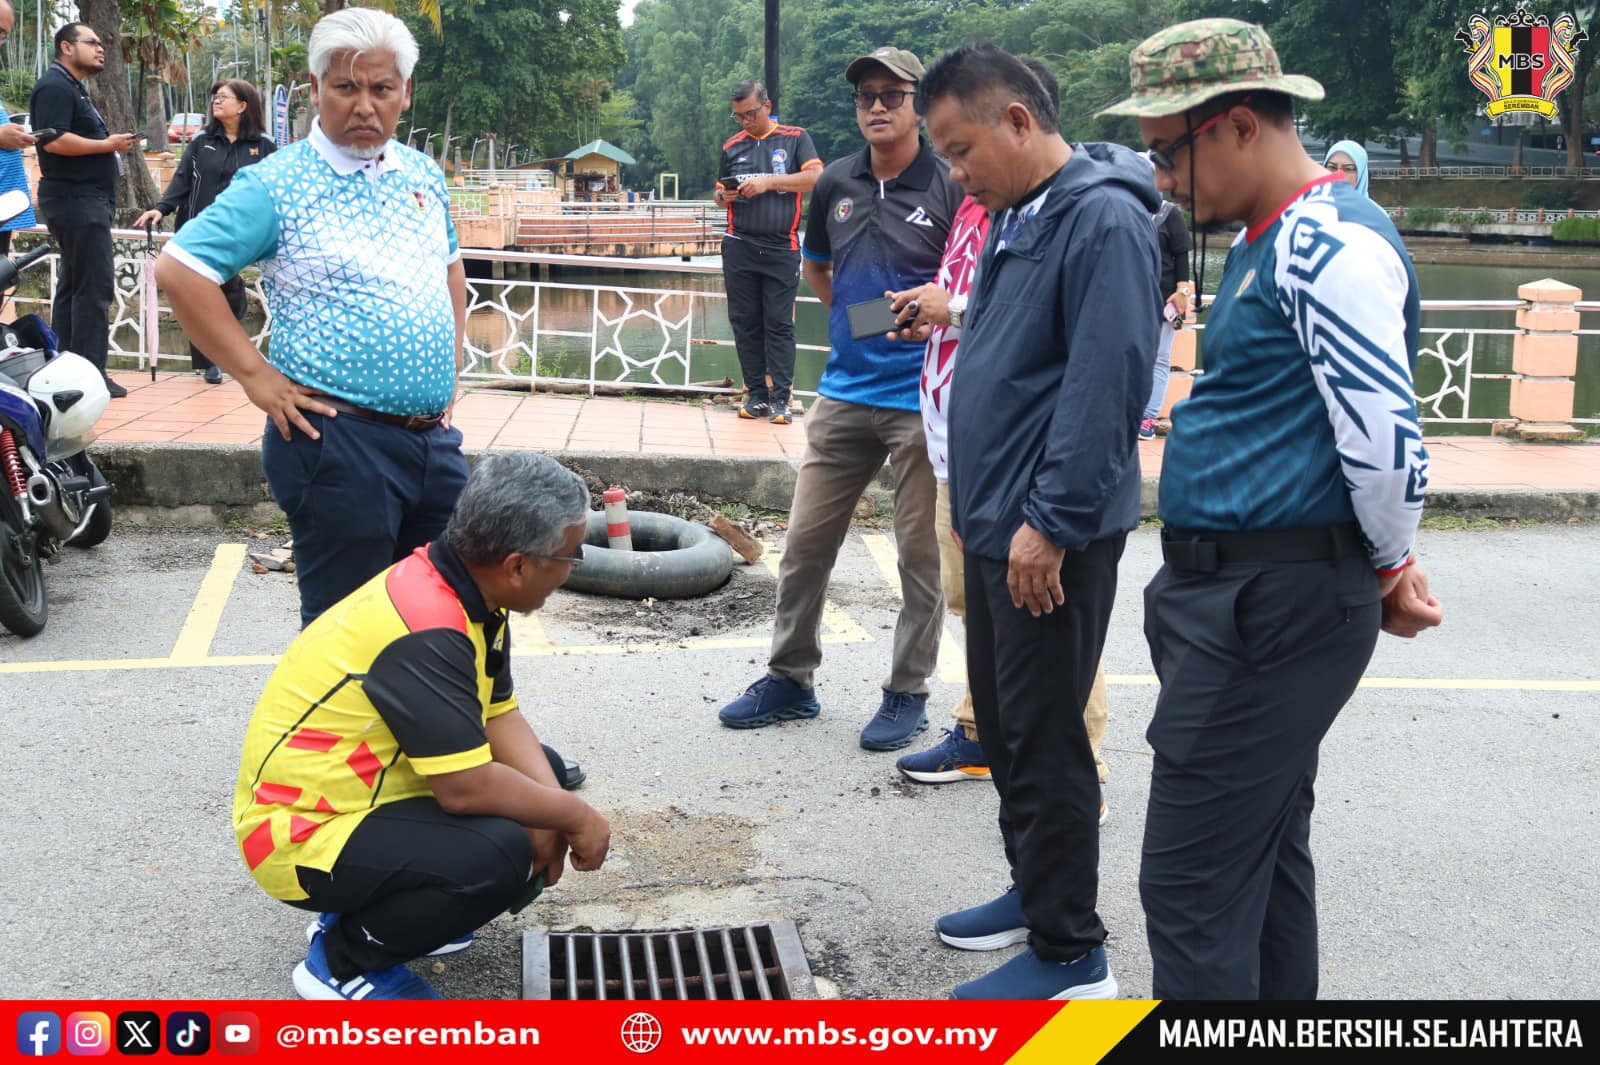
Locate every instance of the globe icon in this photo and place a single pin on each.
(641, 1033)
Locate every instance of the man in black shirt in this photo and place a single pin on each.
(765, 169)
(78, 172)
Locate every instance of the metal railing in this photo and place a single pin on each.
(619, 336)
(517, 179)
(1538, 173)
(1499, 215)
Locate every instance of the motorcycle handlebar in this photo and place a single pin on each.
(32, 257)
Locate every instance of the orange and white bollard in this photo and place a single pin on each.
(618, 535)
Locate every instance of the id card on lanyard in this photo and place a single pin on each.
(105, 131)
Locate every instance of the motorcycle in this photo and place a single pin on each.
(51, 492)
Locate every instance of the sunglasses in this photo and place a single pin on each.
(892, 98)
(1162, 156)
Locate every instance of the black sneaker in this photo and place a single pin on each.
(213, 375)
(758, 411)
(116, 390)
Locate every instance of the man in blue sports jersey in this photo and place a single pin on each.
(1291, 489)
(368, 296)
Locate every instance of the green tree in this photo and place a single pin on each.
(514, 68)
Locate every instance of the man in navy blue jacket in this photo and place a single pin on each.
(1044, 487)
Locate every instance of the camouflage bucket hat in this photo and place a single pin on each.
(1185, 65)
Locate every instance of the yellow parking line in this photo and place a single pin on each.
(883, 554)
(94, 665)
(528, 635)
(201, 626)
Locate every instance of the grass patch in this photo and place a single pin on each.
(1456, 523)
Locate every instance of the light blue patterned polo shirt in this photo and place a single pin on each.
(14, 176)
(354, 258)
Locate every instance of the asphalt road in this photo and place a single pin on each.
(1456, 831)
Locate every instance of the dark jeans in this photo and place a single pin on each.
(1255, 660)
(233, 291)
(412, 878)
(761, 283)
(81, 229)
(359, 499)
(1030, 678)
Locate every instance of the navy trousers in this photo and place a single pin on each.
(1256, 660)
(761, 283)
(359, 499)
(412, 878)
(1030, 678)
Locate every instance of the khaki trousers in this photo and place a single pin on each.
(952, 575)
(846, 445)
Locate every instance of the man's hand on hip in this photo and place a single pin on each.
(283, 399)
(1034, 576)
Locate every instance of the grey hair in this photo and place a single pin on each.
(358, 30)
(520, 503)
(749, 87)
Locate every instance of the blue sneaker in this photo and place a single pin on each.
(312, 979)
(953, 758)
(325, 921)
(992, 926)
(1028, 976)
(900, 717)
(769, 700)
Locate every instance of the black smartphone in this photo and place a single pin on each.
(49, 133)
(871, 317)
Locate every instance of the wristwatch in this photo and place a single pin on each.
(958, 309)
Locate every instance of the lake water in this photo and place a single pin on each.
(572, 308)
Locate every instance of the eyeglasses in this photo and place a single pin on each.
(892, 98)
(747, 116)
(92, 42)
(1162, 156)
(573, 561)
(224, 96)
(1348, 168)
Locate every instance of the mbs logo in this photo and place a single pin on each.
(1521, 61)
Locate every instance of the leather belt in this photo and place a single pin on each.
(1205, 552)
(412, 423)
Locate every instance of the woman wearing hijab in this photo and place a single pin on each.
(1349, 159)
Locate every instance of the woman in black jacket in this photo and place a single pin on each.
(233, 138)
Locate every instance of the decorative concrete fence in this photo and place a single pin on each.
(648, 339)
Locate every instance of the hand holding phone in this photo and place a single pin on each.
(872, 317)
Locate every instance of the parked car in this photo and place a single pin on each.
(184, 126)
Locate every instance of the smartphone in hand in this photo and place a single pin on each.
(872, 317)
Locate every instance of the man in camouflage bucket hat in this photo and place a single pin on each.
(1291, 489)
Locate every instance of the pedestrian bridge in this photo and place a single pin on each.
(501, 217)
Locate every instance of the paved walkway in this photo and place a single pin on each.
(181, 408)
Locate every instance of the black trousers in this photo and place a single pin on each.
(412, 878)
(360, 499)
(81, 229)
(761, 283)
(233, 291)
(1030, 678)
(1255, 660)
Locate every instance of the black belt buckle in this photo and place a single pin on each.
(1194, 555)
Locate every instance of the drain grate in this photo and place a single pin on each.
(759, 961)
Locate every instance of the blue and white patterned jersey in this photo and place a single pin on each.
(1306, 414)
(354, 261)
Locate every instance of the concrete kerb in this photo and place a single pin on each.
(214, 484)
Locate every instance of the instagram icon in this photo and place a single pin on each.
(88, 1033)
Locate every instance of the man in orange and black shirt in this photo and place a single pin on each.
(765, 170)
(388, 780)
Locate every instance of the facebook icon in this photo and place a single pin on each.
(38, 1034)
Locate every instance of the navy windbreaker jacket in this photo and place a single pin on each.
(1057, 350)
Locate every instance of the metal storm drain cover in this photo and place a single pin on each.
(759, 961)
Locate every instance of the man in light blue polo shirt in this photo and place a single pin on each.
(368, 296)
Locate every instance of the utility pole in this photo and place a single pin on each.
(772, 54)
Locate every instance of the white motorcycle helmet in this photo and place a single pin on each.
(75, 393)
